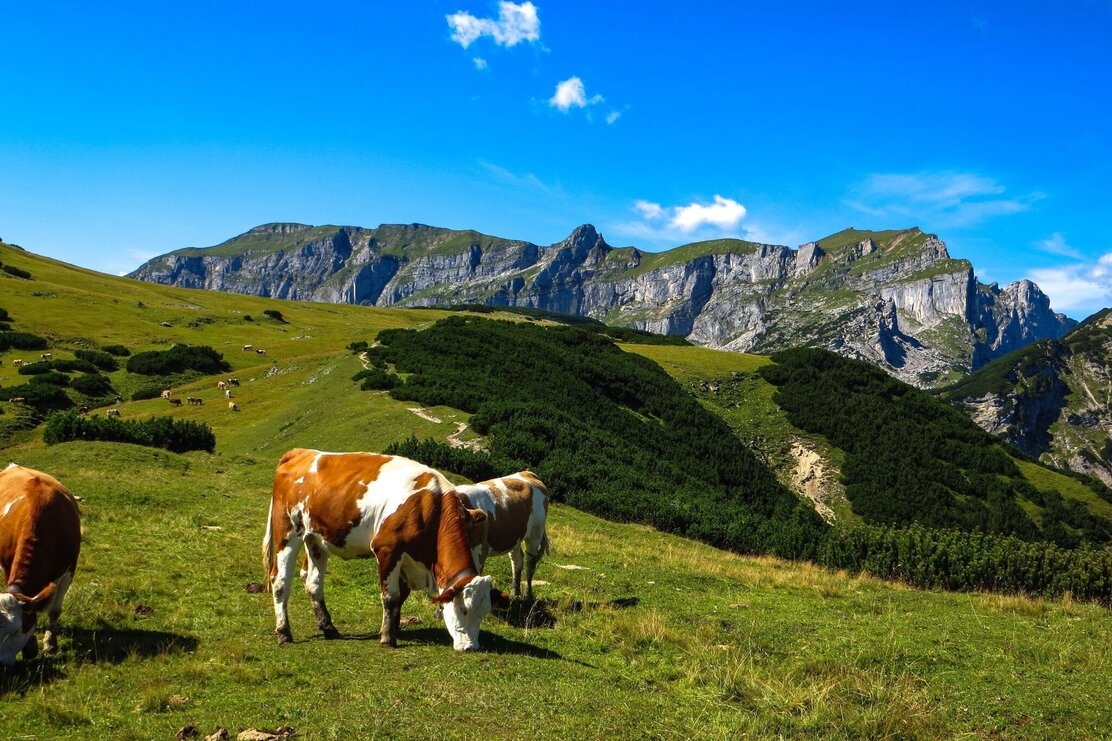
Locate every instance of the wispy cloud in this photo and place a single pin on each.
(480, 63)
(514, 24)
(939, 199)
(1056, 244)
(509, 177)
(571, 93)
(613, 116)
(1081, 288)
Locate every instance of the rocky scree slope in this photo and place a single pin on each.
(1053, 399)
(895, 298)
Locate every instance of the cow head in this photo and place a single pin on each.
(467, 607)
(18, 614)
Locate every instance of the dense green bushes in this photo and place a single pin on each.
(963, 561)
(102, 360)
(118, 350)
(158, 432)
(376, 379)
(475, 466)
(608, 431)
(177, 359)
(62, 365)
(5, 320)
(42, 397)
(92, 385)
(17, 272)
(21, 341)
(913, 459)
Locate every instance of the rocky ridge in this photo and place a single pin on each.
(895, 298)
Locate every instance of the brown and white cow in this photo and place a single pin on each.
(517, 508)
(40, 537)
(405, 514)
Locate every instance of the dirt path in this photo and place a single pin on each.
(425, 415)
(809, 479)
(454, 441)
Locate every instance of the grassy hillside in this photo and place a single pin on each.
(647, 635)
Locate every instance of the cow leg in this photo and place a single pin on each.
(316, 564)
(515, 564)
(280, 585)
(531, 561)
(391, 607)
(50, 636)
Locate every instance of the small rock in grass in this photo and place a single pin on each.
(220, 734)
(253, 587)
(187, 732)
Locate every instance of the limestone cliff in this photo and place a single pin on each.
(894, 298)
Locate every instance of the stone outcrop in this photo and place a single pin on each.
(894, 298)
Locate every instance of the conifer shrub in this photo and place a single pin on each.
(92, 385)
(102, 360)
(177, 359)
(42, 397)
(52, 377)
(376, 379)
(21, 341)
(118, 350)
(158, 432)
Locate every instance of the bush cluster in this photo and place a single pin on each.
(21, 341)
(608, 431)
(177, 359)
(911, 458)
(158, 432)
(118, 350)
(5, 320)
(441, 456)
(17, 272)
(965, 561)
(102, 360)
(62, 365)
(92, 385)
(42, 397)
(376, 379)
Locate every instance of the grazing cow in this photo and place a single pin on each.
(112, 413)
(40, 536)
(46, 356)
(166, 393)
(516, 507)
(232, 406)
(17, 363)
(233, 381)
(221, 385)
(119, 399)
(353, 505)
(18, 400)
(227, 393)
(174, 401)
(248, 347)
(196, 401)
(260, 351)
(82, 409)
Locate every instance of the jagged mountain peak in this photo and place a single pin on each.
(893, 297)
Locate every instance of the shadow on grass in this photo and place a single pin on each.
(542, 613)
(438, 636)
(99, 645)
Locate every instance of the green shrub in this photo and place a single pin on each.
(118, 350)
(358, 347)
(158, 432)
(475, 466)
(64, 365)
(101, 360)
(12, 270)
(21, 341)
(275, 315)
(376, 379)
(177, 359)
(92, 384)
(52, 377)
(42, 397)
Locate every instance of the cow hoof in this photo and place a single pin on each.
(284, 637)
(389, 644)
(330, 633)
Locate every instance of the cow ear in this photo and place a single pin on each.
(444, 597)
(477, 515)
(499, 599)
(34, 603)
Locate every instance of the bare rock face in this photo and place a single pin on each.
(894, 298)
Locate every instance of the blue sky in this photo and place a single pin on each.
(130, 129)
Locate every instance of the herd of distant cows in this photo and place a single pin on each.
(425, 533)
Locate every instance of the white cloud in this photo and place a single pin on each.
(939, 199)
(613, 116)
(1056, 244)
(1077, 289)
(480, 63)
(572, 94)
(649, 210)
(724, 213)
(515, 23)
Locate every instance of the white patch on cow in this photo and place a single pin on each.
(299, 480)
(12, 637)
(11, 465)
(8, 506)
(313, 465)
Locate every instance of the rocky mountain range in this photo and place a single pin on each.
(895, 298)
(1052, 399)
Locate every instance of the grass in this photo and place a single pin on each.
(654, 636)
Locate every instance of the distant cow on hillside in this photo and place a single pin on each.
(112, 413)
(174, 401)
(233, 407)
(248, 347)
(40, 537)
(517, 508)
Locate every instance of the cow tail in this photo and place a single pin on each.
(546, 547)
(268, 547)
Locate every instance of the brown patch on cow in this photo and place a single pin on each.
(40, 536)
(511, 518)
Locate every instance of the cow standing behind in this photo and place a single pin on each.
(407, 515)
(40, 538)
(517, 509)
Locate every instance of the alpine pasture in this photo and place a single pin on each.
(635, 633)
